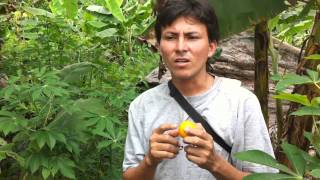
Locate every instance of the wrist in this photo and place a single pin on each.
(217, 163)
(150, 162)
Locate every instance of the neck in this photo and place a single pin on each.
(191, 87)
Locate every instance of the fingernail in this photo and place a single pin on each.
(187, 129)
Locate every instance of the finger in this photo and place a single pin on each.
(195, 159)
(164, 127)
(173, 132)
(198, 152)
(196, 141)
(163, 138)
(162, 154)
(199, 131)
(165, 147)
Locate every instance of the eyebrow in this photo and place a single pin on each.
(185, 33)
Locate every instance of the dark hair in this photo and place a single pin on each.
(167, 11)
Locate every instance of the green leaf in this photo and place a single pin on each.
(312, 162)
(272, 23)
(40, 137)
(59, 136)
(306, 110)
(315, 173)
(34, 162)
(68, 172)
(98, 9)
(305, 11)
(45, 173)
(269, 176)
(295, 157)
(7, 147)
(65, 167)
(237, 16)
(97, 24)
(260, 157)
(51, 141)
(7, 113)
(115, 9)
(316, 141)
(104, 144)
(75, 147)
(107, 33)
(38, 12)
(8, 125)
(313, 57)
(92, 105)
(315, 101)
(301, 99)
(2, 156)
(71, 8)
(314, 75)
(292, 79)
(67, 8)
(73, 73)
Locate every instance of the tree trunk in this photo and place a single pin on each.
(296, 126)
(261, 85)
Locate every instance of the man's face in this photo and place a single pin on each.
(185, 48)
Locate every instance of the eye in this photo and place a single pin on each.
(169, 37)
(193, 37)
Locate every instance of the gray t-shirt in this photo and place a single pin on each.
(231, 110)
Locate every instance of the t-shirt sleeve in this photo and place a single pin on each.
(134, 147)
(256, 136)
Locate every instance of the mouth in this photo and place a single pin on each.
(181, 60)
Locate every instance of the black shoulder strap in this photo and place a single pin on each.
(174, 92)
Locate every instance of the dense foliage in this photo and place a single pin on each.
(73, 68)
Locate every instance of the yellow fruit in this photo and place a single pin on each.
(184, 125)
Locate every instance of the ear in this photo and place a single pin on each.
(212, 48)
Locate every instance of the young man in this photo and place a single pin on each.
(187, 33)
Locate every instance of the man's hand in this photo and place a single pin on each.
(200, 149)
(163, 144)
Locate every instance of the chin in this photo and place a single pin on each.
(182, 76)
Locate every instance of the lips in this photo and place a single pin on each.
(182, 63)
(181, 60)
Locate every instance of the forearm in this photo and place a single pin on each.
(143, 171)
(223, 170)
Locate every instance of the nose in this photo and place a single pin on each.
(181, 44)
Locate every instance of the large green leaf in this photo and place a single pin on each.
(74, 72)
(315, 173)
(71, 8)
(107, 33)
(66, 167)
(67, 8)
(295, 157)
(236, 16)
(260, 157)
(313, 57)
(98, 9)
(269, 176)
(302, 99)
(92, 105)
(38, 12)
(115, 8)
(307, 110)
(292, 79)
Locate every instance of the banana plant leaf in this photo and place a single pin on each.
(235, 16)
